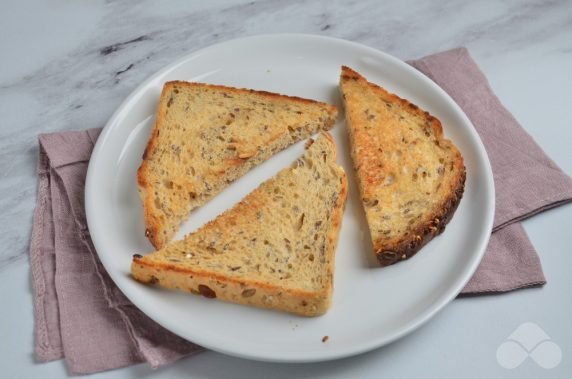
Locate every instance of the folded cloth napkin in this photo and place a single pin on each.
(82, 317)
(80, 314)
(526, 180)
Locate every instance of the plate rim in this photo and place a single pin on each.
(372, 343)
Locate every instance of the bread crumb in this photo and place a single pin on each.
(325, 339)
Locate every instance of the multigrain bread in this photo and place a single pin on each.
(274, 249)
(410, 177)
(206, 136)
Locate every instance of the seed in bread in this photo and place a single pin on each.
(274, 249)
(206, 136)
(410, 177)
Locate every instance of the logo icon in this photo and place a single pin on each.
(529, 340)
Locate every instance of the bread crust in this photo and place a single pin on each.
(229, 289)
(153, 224)
(405, 249)
(337, 216)
(238, 90)
(388, 253)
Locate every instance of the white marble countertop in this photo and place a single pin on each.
(68, 65)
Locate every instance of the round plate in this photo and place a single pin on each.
(372, 306)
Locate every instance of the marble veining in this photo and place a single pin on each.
(68, 64)
(82, 87)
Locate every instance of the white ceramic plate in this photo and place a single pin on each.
(371, 306)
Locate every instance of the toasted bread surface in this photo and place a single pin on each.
(274, 249)
(206, 136)
(410, 177)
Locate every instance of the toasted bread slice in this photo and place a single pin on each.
(274, 249)
(410, 177)
(205, 137)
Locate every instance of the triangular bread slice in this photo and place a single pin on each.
(206, 136)
(410, 177)
(274, 249)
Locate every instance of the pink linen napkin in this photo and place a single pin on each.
(82, 317)
(526, 180)
(80, 314)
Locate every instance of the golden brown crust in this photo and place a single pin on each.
(232, 290)
(393, 250)
(336, 222)
(237, 90)
(337, 216)
(152, 224)
(406, 248)
(248, 282)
